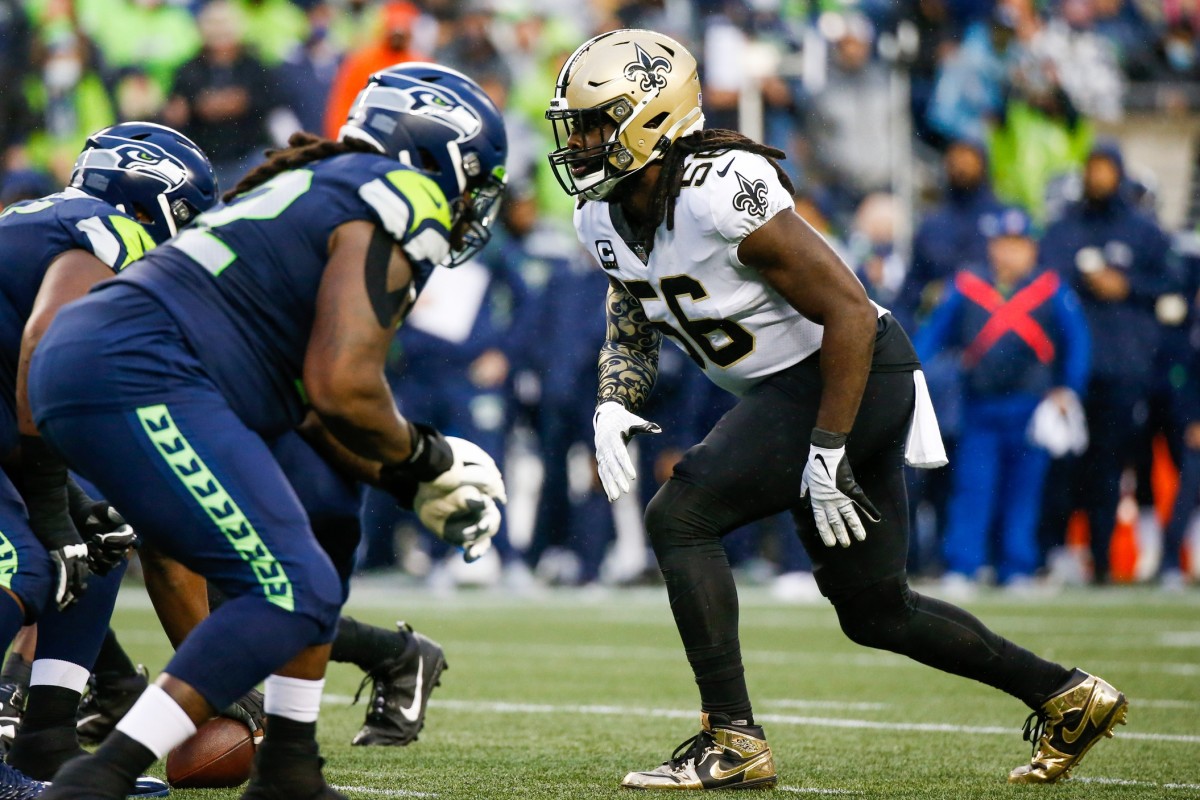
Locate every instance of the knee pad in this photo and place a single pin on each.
(681, 515)
(32, 582)
(875, 616)
(321, 599)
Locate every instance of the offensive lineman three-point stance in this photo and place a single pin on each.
(282, 302)
(134, 185)
(698, 234)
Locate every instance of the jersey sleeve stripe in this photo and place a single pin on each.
(133, 236)
(428, 245)
(104, 243)
(393, 212)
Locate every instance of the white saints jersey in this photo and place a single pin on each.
(694, 288)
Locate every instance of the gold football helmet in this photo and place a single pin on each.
(642, 83)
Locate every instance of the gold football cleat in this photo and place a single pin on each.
(721, 756)
(1066, 727)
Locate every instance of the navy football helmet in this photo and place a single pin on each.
(439, 121)
(151, 172)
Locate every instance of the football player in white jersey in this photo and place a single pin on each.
(697, 231)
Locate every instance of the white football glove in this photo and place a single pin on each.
(466, 517)
(472, 467)
(835, 493)
(615, 426)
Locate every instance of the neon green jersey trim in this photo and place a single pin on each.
(9, 563)
(221, 509)
(134, 237)
(29, 208)
(425, 197)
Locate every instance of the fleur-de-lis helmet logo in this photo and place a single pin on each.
(649, 71)
(753, 196)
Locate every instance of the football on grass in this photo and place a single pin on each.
(217, 756)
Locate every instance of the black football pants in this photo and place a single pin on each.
(749, 467)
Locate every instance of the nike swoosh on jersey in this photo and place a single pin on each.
(413, 711)
(721, 774)
(437, 201)
(1070, 736)
(721, 173)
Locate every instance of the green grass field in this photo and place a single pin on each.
(559, 696)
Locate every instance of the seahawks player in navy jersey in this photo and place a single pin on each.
(279, 306)
(133, 185)
(697, 232)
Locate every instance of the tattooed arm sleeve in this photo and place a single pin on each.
(629, 357)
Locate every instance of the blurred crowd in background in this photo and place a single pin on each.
(964, 156)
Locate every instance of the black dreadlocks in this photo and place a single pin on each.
(303, 148)
(669, 184)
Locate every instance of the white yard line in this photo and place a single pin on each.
(498, 707)
(1144, 703)
(814, 790)
(801, 703)
(383, 792)
(1126, 782)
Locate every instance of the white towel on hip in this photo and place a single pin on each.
(924, 448)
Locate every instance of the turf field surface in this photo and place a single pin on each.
(558, 695)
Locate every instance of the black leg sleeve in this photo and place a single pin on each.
(685, 525)
(890, 616)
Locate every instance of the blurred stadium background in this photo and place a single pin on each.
(556, 692)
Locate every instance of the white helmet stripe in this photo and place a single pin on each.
(167, 215)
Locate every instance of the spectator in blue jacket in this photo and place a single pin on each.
(949, 237)
(1024, 339)
(561, 353)
(1114, 257)
(1184, 380)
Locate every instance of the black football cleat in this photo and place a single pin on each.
(107, 700)
(1067, 726)
(12, 707)
(288, 771)
(721, 756)
(39, 754)
(400, 695)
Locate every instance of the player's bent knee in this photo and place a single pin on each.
(680, 514)
(320, 597)
(33, 584)
(876, 615)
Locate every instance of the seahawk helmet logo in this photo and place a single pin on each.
(649, 71)
(420, 98)
(752, 197)
(142, 158)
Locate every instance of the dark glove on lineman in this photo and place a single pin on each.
(43, 487)
(835, 493)
(248, 710)
(431, 456)
(107, 536)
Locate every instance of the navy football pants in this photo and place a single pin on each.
(132, 410)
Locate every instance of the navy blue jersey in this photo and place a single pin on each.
(32, 235)
(242, 283)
